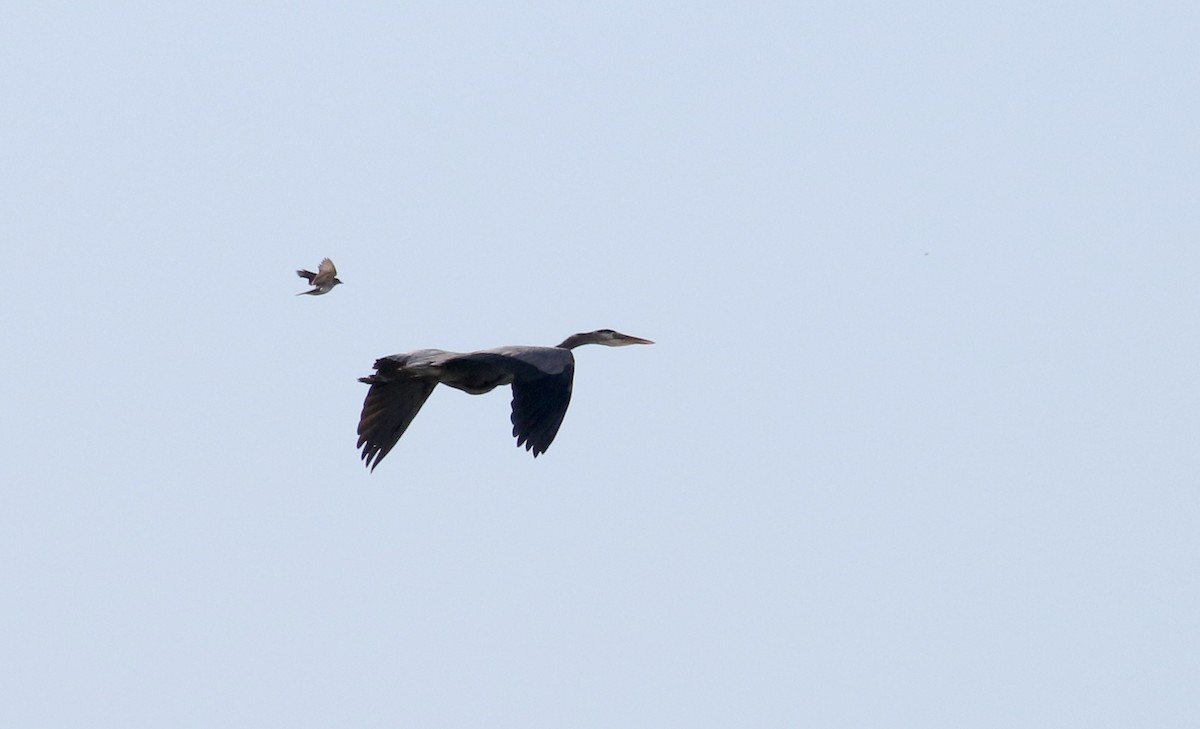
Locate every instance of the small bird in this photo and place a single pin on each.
(541, 379)
(323, 280)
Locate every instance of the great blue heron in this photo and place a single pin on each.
(322, 281)
(540, 378)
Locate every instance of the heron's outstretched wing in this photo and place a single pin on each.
(538, 407)
(387, 412)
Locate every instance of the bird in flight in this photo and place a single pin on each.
(540, 377)
(322, 281)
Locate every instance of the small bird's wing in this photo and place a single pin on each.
(387, 411)
(539, 405)
(327, 269)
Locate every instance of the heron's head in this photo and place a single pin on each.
(607, 337)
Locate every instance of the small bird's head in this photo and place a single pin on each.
(607, 337)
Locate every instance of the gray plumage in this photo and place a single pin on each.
(541, 379)
(322, 281)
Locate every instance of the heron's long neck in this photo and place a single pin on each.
(575, 340)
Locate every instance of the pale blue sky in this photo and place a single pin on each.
(916, 445)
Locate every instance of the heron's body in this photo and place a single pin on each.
(541, 379)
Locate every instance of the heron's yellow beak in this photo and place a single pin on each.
(626, 339)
